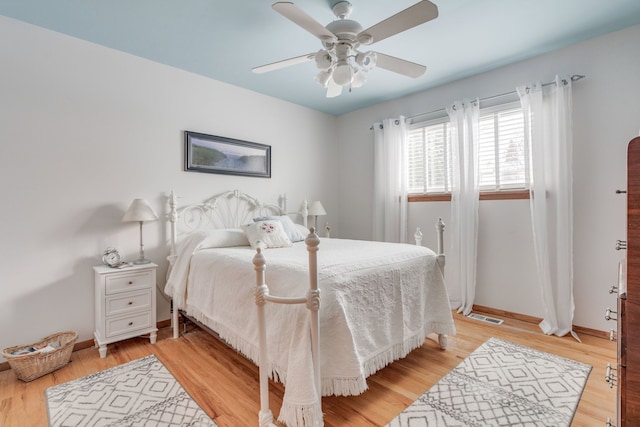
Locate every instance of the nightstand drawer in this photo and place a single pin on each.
(128, 302)
(128, 281)
(128, 324)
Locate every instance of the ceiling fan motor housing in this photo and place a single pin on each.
(345, 29)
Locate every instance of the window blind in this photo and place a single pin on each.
(503, 161)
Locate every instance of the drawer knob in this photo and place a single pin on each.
(608, 313)
(613, 289)
(130, 302)
(130, 323)
(621, 244)
(130, 282)
(610, 377)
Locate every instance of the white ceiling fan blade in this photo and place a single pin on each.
(412, 16)
(333, 89)
(400, 66)
(284, 63)
(299, 17)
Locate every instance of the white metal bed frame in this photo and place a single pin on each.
(232, 209)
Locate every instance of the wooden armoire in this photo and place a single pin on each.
(628, 315)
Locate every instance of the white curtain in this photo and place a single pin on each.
(547, 111)
(390, 181)
(465, 192)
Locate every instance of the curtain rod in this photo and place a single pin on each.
(574, 78)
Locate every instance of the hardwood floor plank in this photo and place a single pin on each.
(226, 386)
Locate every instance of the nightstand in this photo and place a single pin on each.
(125, 304)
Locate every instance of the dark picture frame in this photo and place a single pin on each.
(218, 154)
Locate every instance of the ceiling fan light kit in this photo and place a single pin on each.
(325, 59)
(366, 60)
(322, 78)
(340, 62)
(343, 73)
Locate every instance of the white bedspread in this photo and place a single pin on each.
(379, 301)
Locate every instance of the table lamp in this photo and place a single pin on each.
(315, 210)
(141, 211)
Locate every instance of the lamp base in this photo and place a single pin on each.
(141, 261)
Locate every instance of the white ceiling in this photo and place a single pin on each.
(225, 39)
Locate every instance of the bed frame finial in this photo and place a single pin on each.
(418, 237)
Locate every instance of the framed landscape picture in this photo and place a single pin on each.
(217, 154)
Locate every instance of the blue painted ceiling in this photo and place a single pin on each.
(223, 40)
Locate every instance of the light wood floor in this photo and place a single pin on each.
(226, 385)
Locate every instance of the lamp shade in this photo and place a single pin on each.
(316, 209)
(140, 210)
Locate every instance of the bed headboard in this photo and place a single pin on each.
(229, 209)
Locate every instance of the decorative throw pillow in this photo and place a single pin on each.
(266, 234)
(289, 227)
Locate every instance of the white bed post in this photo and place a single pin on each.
(265, 416)
(312, 301)
(443, 339)
(313, 304)
(440, 230)
(173, 219)
(305, 212)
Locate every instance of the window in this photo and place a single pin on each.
(503, 159)
(429, 159)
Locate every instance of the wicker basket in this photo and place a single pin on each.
(30, 366)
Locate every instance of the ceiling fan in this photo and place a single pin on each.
(340, 61)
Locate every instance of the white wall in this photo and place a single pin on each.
(606, 116)
(83, 131)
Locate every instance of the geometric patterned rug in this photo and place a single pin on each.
(139, 393)
(501, 384)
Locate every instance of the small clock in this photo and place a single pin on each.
(111, 257)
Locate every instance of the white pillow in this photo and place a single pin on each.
(266, 234)
(289, 227)
(188, 245)
(224, 238)
(302, 230)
